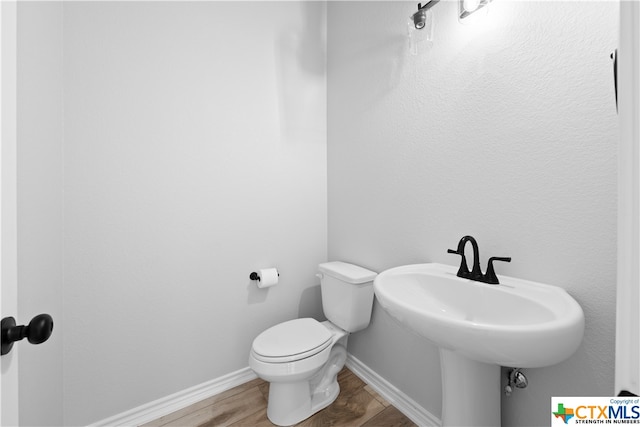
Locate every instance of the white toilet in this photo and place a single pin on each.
(301, 358)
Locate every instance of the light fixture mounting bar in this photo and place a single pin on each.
(428, 5)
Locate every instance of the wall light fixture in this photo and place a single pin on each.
(420, 17)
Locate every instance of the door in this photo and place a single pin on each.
(31, 214)
(8, 211)
(627, 372)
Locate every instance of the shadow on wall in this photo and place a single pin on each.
(311, 47)
(255, 295)
(311, 304)
(301, 55)
(373, 56)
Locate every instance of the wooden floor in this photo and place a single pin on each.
(246, 406)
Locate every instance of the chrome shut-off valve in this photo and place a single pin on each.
(515, 378)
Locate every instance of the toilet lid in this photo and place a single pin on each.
(292, 340)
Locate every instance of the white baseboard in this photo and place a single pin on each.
(393, 395)
(166, 405)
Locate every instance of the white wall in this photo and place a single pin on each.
(505, 130)
(195, 153)
(40, 210)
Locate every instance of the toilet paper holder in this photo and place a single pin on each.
(256, 276)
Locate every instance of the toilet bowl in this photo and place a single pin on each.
(301, 358)
(303, 373)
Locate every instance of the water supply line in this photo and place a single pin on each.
(515, 378)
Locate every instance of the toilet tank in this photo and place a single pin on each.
(347, 294)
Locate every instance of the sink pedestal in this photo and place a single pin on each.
(470, 391)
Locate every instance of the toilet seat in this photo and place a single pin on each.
(292, 340)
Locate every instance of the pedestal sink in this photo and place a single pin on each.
(479, 327)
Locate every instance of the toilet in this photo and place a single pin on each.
(301, 358)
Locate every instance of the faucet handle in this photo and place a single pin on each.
(463, 270)
(490, 275)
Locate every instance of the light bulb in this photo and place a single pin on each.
(470, 5)
(419, 19)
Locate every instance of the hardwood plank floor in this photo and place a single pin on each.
(246, 406)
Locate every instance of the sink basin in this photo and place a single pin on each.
(478, 328)
(517, 323)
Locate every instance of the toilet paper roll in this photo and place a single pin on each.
(268, 277)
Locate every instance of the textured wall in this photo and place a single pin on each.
(195, 152)
(40, 210)
(505, 130)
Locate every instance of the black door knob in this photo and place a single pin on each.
(37, 331)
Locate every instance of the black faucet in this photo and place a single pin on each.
(476, 273)
(463, 271)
